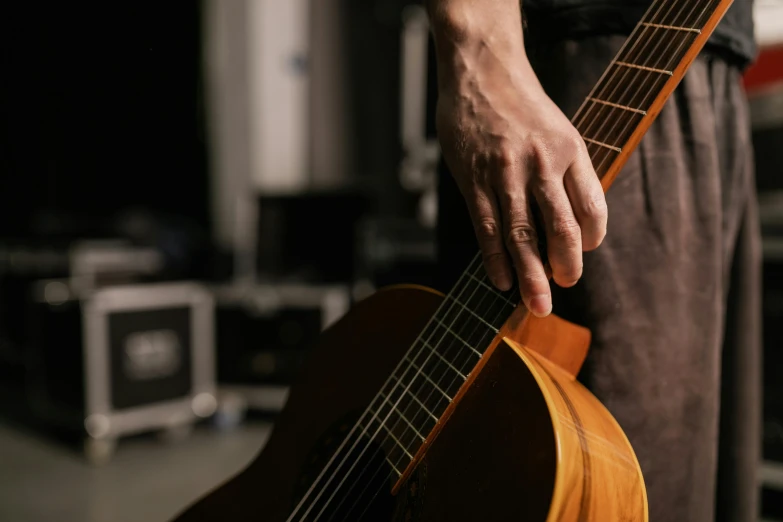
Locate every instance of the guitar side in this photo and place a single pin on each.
(525, 442)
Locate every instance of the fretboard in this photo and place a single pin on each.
(640, 79)
(611, 120)
(438, 364)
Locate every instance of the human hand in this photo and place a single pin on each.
(508, 146)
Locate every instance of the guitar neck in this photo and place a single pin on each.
(637, 83)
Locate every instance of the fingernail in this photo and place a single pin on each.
(540, 305)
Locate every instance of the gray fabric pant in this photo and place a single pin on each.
(672, 296)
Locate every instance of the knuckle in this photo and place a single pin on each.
(566, 231)
(595, 207)
(540, 152)
(491, 260)
(521, 234)
(487, 229)
(506, 157)
(575, 143)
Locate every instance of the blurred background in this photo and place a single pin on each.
(189, 193)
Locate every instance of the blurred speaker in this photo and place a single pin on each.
(124, 360)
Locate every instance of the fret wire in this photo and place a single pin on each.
(399, 474)
(474, 314)
(471, 331)
(672, 27)
(427, 377)
(611, 80)
(631, 42)
(469, 364)
(482, 283)
(391, 445)
(666, 51)
(602, 144)
(464, 319)
(463, 341)
(370, 408)
(421, 335)
(474, 332)
(396, 440)
(694, 19)
(476, 311)
(643, 68)
(619, 80)
(494, 299)
(678, 44)
(508, 294)
(438, 369)
(618, 106)
(491, 306)
(415, 398)
(408, 440)
(404, 418)
(444, 360)
(494, 296)
(421, 369)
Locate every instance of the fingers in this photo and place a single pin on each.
(574, 212)
(522, 243)
(487, 225)
(587, 201)
(563, 234)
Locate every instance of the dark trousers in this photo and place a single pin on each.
(672, 296)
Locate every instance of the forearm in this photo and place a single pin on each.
(475, 35)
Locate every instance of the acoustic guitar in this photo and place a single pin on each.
(464, 407)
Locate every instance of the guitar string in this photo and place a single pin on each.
(634, 77)
(645, 44)
(633, 39)
(347, 474)
(708, 8)
(364, 431)
(436, 363)
(496, 297)
(366, 412)
(369, 500)
(617, 80)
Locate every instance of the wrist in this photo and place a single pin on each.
(470, 38)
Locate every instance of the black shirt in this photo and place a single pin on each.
(733, 38)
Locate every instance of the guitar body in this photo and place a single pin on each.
(524, 441)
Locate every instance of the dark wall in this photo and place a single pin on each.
(100, 111)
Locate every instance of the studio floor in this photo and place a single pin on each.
(148, 479)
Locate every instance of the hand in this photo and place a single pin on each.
(508, 145)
